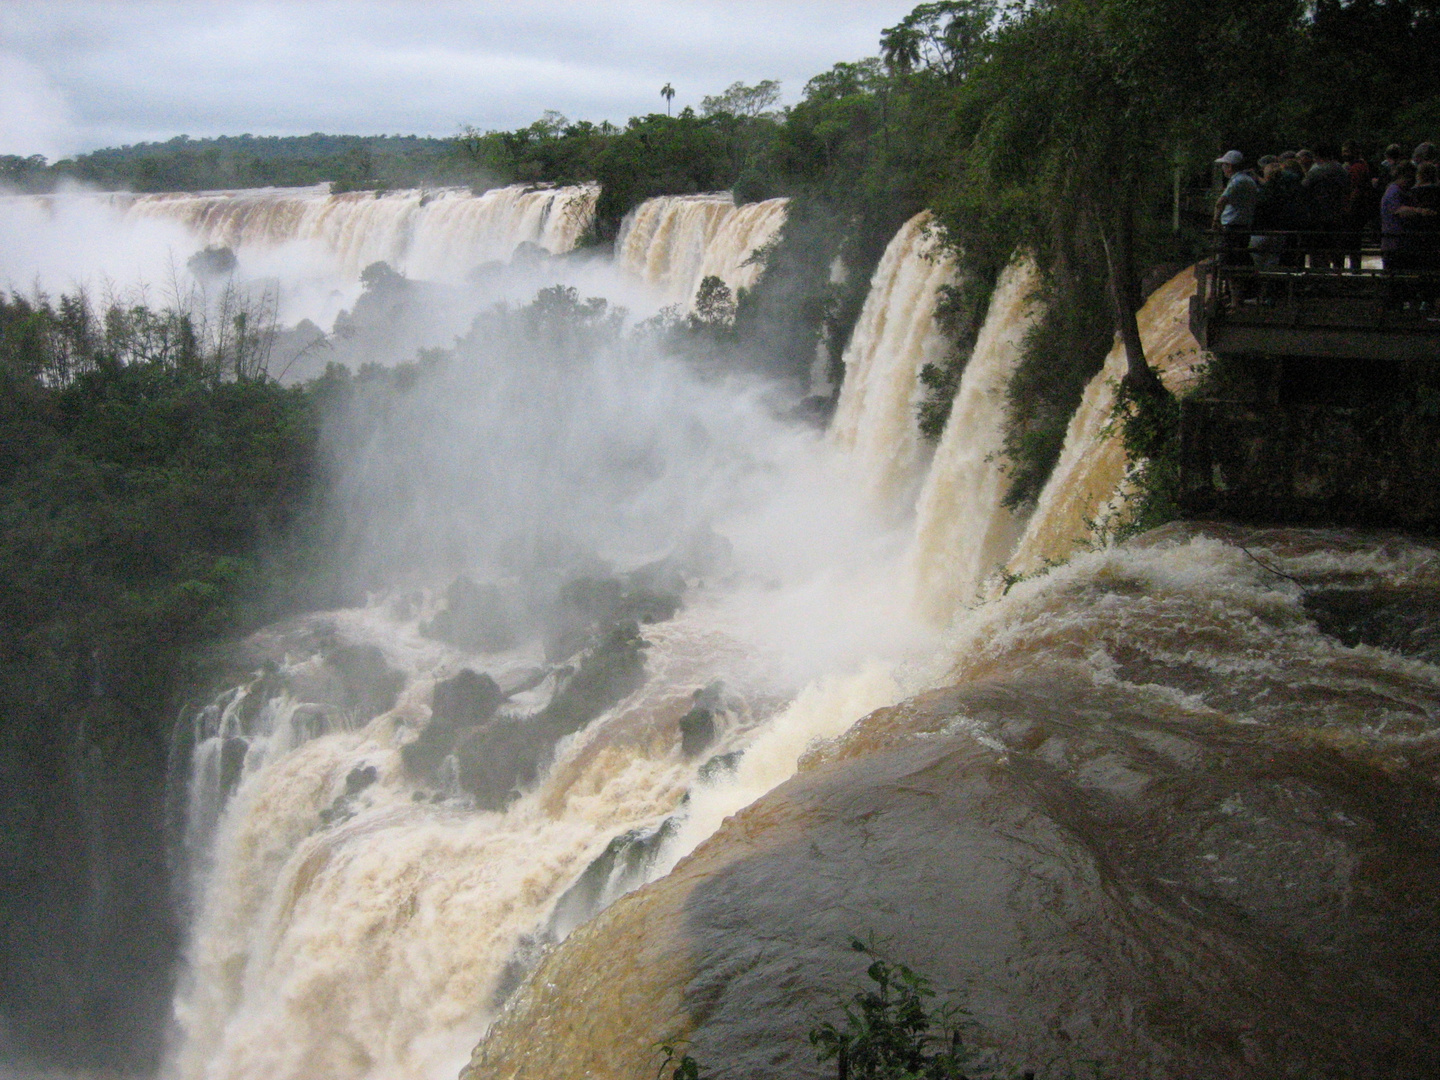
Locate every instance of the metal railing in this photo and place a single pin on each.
(1303, 297)
(1308, 278)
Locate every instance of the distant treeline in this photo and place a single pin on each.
(1061, 128)
(184, 164)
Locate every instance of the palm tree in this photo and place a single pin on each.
(667, 92)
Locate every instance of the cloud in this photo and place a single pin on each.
(34, 118)
(150, 69)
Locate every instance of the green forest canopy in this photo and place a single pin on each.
(158, 492)
(1052, 126)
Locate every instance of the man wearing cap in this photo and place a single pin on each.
(1235, 209)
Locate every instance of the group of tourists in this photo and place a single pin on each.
(1319, 206)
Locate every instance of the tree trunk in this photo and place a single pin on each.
(1119, 241)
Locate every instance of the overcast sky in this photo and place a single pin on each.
(80, 74)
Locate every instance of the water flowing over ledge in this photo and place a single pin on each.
(674, 242)
(440, 234)
(802, 745)
(893, 339)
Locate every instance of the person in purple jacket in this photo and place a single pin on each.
(1399, 237)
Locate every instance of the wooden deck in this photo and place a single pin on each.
(1368, 314)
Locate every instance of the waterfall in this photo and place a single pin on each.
(673, 242)
(893, 339)
(356, 919)
(963, 531)
(359, 921)
(1151, 758)
(437, 234)
(1087, 479)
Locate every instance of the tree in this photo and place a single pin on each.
(714, 306)
(949, 37)
(1086, 103)
(668, 93)
(741, 100)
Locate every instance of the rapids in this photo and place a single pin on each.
(667, 695)
(1171, 809)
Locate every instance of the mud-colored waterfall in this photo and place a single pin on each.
(437, 235)
(1088, 479)
(360, 916)
(803, 755)
(355, 929)
(893, 339)
(1154, 794)
(674, 242)
(963, 530)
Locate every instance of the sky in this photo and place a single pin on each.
(76, 75)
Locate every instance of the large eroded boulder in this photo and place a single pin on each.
(1166, 819)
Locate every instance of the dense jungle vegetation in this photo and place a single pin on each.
(350, 162)
(1061, 128)
(158, 492)
(151, 484)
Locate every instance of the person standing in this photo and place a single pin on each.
(1399, 217)
(1329, 186)
(1358, 204)
(1235, 209)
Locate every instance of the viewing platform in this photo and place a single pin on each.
(1298, 311)
(1339, 426)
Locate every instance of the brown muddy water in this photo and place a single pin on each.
(1172, 810)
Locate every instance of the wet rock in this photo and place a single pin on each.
(466, 698)
(614, 872)
(368, 684)
(494, 762)
(359, 778)
(719, 765)
(347, 803)
(1102, 875)
(529, 951)
(650, 594)
(496, 759)
(459, 704)
(232, 763)
(215, 261)
(1403, 620)
(697, 727)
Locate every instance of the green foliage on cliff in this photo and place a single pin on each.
(891, 1029)
(149, 501)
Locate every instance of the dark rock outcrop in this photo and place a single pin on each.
(497, 756)
(458, 706)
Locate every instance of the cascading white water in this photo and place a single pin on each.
(303, 246)
(674, 242)
(356, 922)
(1085, 485)
(895, 337)
(350, 925)
(963, 530)
(437, 235)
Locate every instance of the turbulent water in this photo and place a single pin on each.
(894, 338)
(1186, 787)
(662, 820)
(963, 530)
(437, 235)
(674, 242)
(1090, 474)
